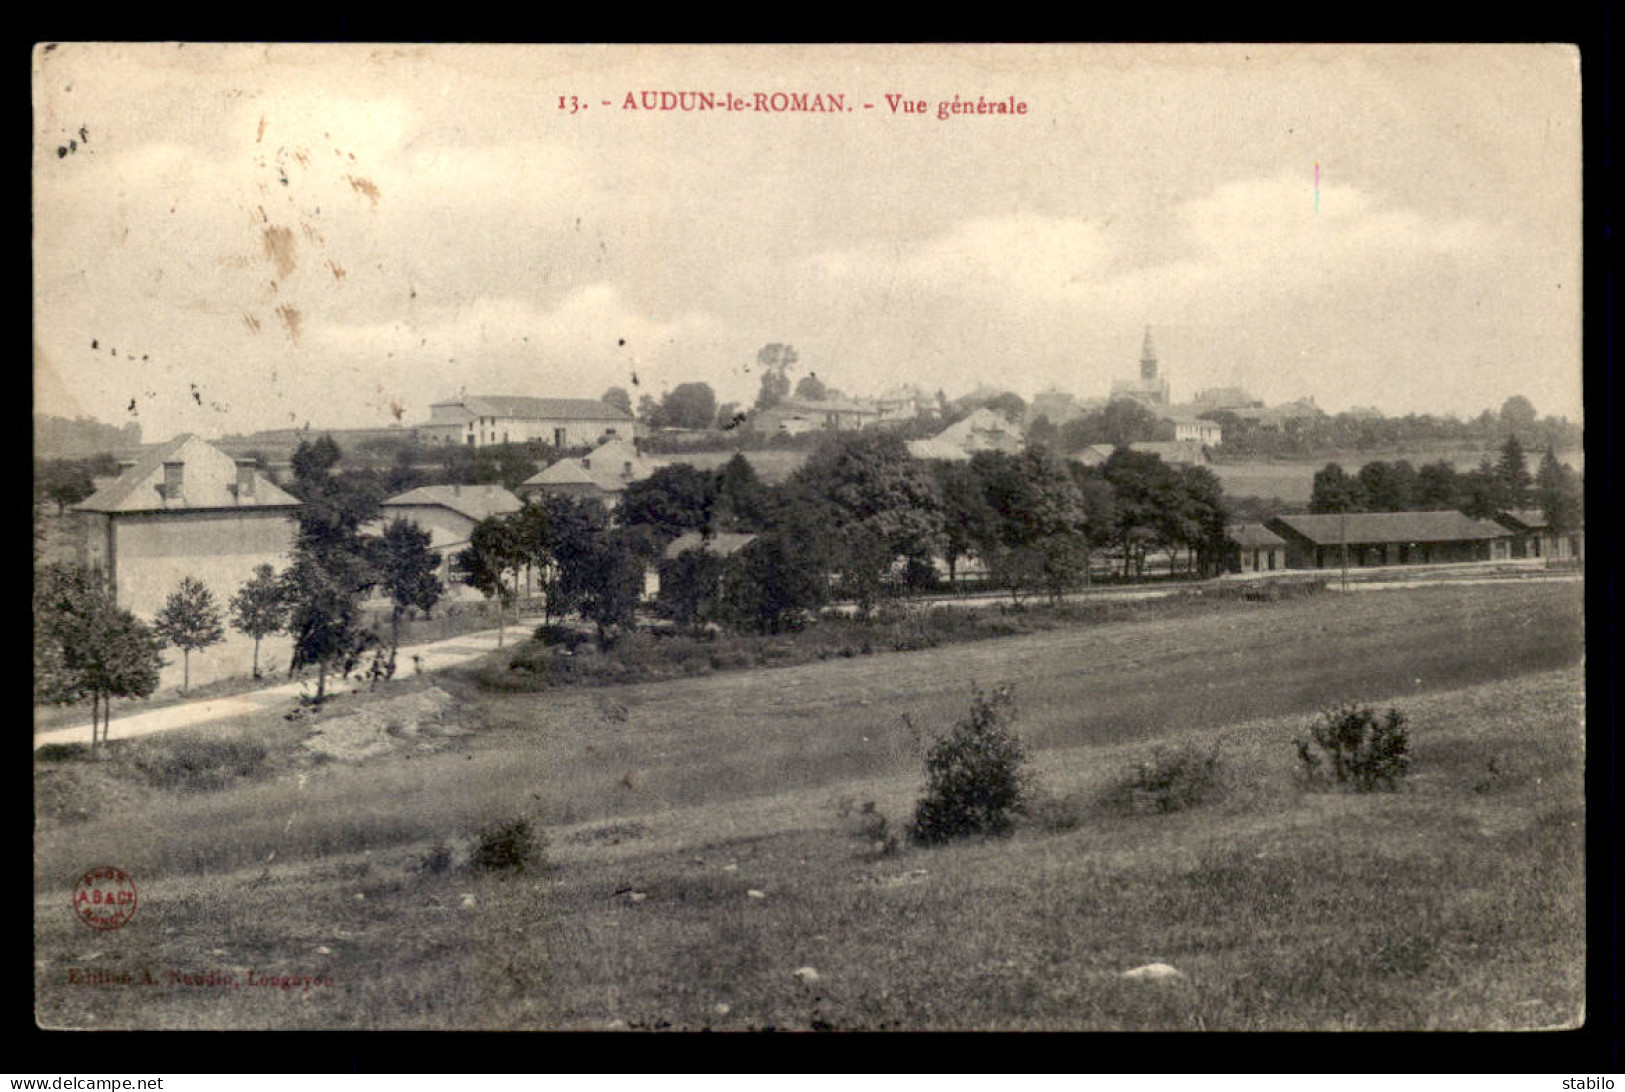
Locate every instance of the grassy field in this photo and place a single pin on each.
(772, 465)
(1457, 903)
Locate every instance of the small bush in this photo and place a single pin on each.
(1356, 749)
(506, 845)
(61, 752)
(1172, 779)
(975, 775)
(437, 860)
(551, 634)
(868, 824)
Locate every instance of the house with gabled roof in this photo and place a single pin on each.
(1390, 538)
(980, 430)
(1189, 425)
(602, 474)
(482, 420)
(449, 513)
(184, 508)
(1533, 536)
(1253, 548)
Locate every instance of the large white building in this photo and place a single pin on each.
(187, 509)
(482, 420)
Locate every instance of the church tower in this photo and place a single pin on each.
(1148, 390)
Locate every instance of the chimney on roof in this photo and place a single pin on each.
(245, 478)
(456, 489)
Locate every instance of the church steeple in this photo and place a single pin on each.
(1148, 358)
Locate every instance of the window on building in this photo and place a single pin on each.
(174, 479)
(245, 481)
(559, 437)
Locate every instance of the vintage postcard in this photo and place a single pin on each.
(839, 537)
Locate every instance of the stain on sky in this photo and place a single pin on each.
(290, 319)
(364, 186)
(279, 249)
(197, 395)
(72, 146)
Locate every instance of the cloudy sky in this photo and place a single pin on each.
(230, 238)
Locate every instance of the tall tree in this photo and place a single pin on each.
(969, 523)
(770, 584)
(1334, 491)
(1558, 494)
(1146, 494)
(1206, 517)
(190, 620)
(1388, 487)
(1512, 474)
(257, 610)
(691, 587)
(1438, 486)
(687, 405)
(672, 500)
(64, 481)
(618, 397)
(493, 561)
(408, 572)
(864, 500)
(811, 389)
(741, 498)
(611, 584)
(85, 646)
(775, 362)
(331, 569)
(1482, 492)
(1037, 539)
(1518, 413)
(555, 534)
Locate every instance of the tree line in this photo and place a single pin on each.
(1499, 485)
(860, 521)
(1364, 432)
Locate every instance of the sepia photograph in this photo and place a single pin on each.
(979, 537)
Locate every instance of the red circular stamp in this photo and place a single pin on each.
(104, 898)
